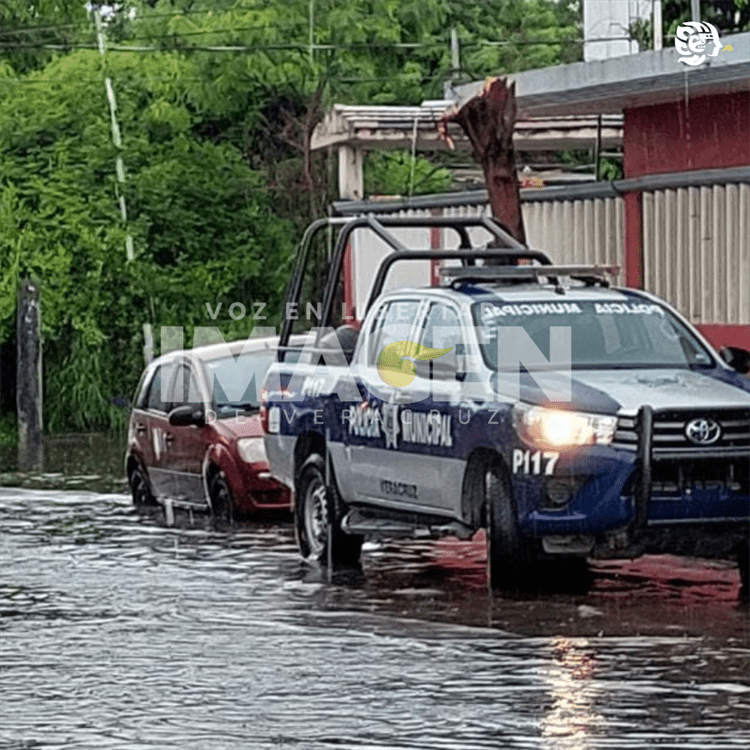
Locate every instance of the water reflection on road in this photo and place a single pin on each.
(118, 632)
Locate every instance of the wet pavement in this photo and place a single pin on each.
(121, 632)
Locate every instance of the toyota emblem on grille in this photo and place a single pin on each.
(703, 431)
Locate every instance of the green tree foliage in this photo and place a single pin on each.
(729, 17)
(375, 51)
(216, 102)
(31, 29)
(202, 226)
(360, 51)
(398, 173)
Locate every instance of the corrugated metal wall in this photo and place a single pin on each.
(570, 231)
(696, 250)
(696, 243)
(369, 251)
(578, 231)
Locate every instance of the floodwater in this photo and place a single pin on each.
(121, 632)
(118, 632)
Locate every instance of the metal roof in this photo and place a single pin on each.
(394, 127)
(620, 83)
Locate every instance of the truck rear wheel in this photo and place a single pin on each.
(317, 519)
(510, 556)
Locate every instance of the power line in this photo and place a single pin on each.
(179, 14)
(351, 80)
(85, 24)
(292, 46)
(278, 25)
(31, 29)
(55, 80)
(205, 32)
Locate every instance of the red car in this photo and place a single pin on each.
(195, 437)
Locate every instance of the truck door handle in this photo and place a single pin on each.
(402, 396)
(169, 437)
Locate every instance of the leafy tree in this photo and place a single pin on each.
(363, 51)
(375, 51)
(27, 26)
(729, 17)
(216, 101)
(398, 173)
(202, 225)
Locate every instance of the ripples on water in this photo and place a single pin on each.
(118, 632)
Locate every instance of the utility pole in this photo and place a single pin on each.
(29, 378)
(116, 135)
(455, 55)
(695, 9)
(657, 22)
(311, 11)
(148, 350)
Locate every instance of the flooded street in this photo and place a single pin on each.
(119, 632)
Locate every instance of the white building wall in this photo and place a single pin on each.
(368, 251)
(579, 231)
(605, 19)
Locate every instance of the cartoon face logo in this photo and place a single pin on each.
(696, 40)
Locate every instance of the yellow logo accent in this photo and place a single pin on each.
(395, 370)
(727, 48)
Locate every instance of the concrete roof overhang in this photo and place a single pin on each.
(620, 83)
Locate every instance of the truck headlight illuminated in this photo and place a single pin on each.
(557, 428)
(252, 450)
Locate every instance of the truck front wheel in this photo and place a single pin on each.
(510, 555)
(317, 519)
(743, 563)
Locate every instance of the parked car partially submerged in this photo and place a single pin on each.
(194, 438)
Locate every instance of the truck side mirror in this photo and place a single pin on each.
(736, 357)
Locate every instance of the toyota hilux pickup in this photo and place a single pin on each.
(563, 415)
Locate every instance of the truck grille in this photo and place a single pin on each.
(626, 437)
(670, 432)
(680, 478)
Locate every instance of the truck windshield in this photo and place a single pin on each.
(605, 334)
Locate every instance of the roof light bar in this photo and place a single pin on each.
(490, 273)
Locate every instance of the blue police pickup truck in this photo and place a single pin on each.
(563, 415)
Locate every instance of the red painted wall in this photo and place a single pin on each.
(710, 132)
(726, 335)
(350, 312)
